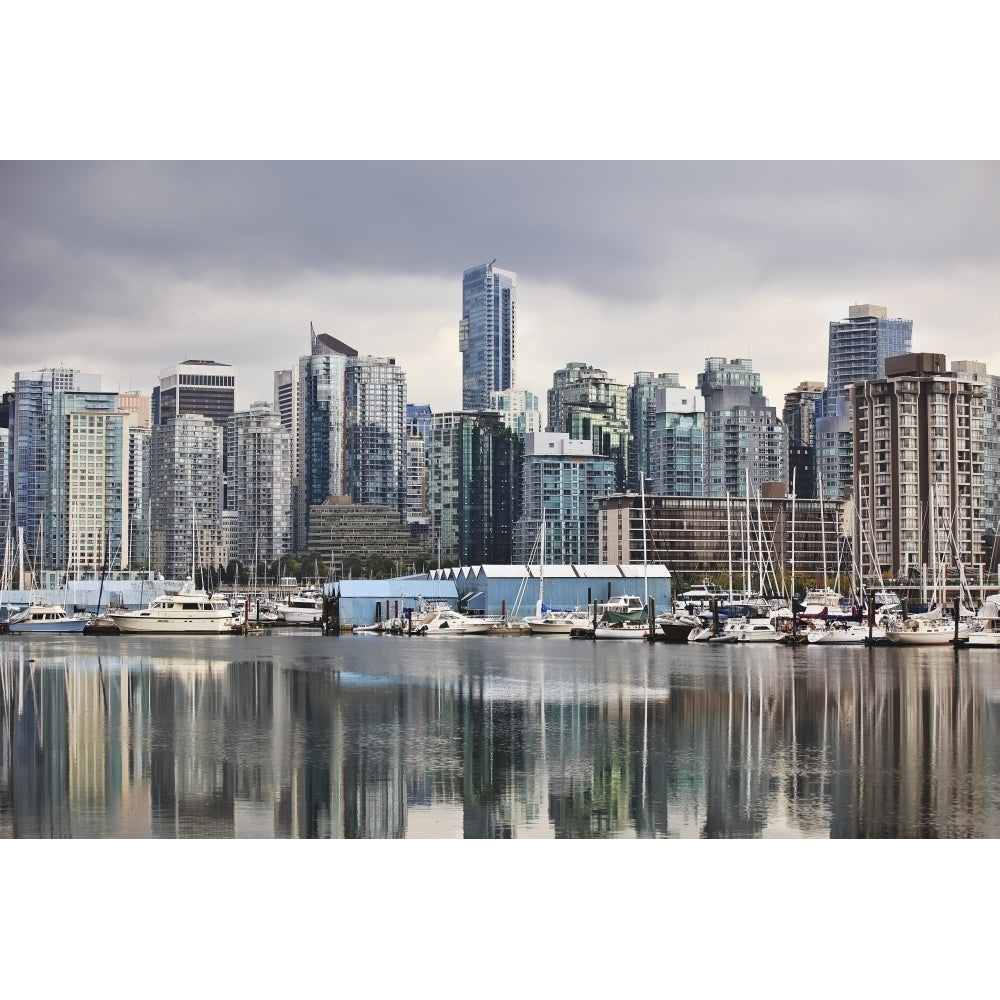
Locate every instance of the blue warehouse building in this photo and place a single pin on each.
(499, 589)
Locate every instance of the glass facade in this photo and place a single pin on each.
(32, 405)
(187, 495)
(375, 429)
(260, 453)
(87, 505)
(745, 442)
(858, 347)
(487, 334)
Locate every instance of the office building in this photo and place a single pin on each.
(487, 333)
(205, 387)
(745, 545)
(562, 480)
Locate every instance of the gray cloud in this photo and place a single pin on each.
(138, 264)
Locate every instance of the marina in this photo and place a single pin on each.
(292, 734)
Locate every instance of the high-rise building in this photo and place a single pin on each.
(918, 470)
(286, 408)
(186, 495)
(320, 442)
(677, 443)
(375, 432)
(86, 520)
(573, 372)
(799, 418)
(487, 333)
(857, 350)
(474, 487)
(975, 371)
(418, 437)
(137, 403)
(205, 387)
(519, 410)
(260, 456)
(642, 417)
(33, 394)
(140, 485)
(745, 439)
(6, 468)
(564, 479)
(595, 409)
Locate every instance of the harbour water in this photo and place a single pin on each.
(297, 735)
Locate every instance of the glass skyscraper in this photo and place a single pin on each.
(857, 351)
(375, 432)
(487, 333)
(33, 393)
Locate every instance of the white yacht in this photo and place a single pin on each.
(303, 608)
(188, 612)
(44, 618)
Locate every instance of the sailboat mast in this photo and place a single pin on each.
(729, 536)
(645, 564)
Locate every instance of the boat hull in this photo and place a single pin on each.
(129, 622)
(72, 625)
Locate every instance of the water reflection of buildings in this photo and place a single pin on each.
(770, 742)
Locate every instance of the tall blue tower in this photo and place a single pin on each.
(486, 333)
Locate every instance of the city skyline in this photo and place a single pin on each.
(126, 268)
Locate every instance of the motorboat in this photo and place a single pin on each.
(678, 627)
(439, 618)
(46, 618)
(558, 622)
(987, 635)
(188, 612)
(303, 608)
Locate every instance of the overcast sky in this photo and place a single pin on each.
(127, 268)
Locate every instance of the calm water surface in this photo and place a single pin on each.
(300, 735)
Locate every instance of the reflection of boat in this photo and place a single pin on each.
(42, 618)
(188, 612)
(303, 608)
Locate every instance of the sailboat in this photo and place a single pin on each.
(546, 620)
(42, 618)
(627, 616)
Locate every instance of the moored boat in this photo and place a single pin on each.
(188, 612)
(38, 619)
